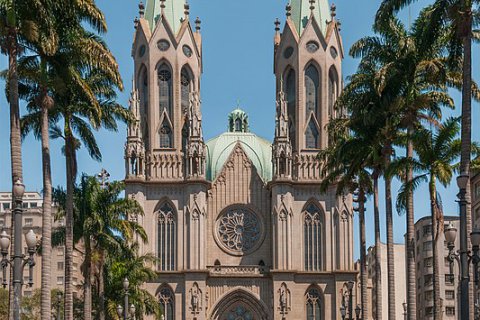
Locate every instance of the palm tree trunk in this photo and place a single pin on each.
(363, 254)
(46, 303)
(101, 285)
(437, 308)
(390, 245)
(378, 257)
(410, 242)
(15, 136)
(69, 154)
(87, 287)
(466, 133)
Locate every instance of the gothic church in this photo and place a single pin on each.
(238, 223)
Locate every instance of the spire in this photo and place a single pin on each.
(172, 10)
(187, 10)
(141, 9)
(302, 10)
(197, 24)
(277, 37)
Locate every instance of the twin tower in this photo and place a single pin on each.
(166, 142)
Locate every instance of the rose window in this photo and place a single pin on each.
(239, 230)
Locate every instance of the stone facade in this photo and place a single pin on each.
(238, 223)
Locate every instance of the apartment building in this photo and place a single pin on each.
(424, 268)
(32, 220)
(400, 284)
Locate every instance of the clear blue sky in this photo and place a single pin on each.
(238, 65)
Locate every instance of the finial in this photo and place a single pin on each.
(135, 22)
(277, 25)
(333, 10)
(339, 25)
(312, 5)
(289, 10)
(186, 6)
(141, 9)
(197, 24)
(281, 83)
(162, 6)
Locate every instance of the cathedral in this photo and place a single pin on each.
(238, 223)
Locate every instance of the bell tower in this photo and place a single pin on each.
(167, 56)
(307, 65)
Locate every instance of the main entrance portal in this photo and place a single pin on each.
(240, 305)
(238, 312)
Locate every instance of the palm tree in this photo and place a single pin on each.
(103, 226)
(436, 153)
(137, 269)
(454, 19)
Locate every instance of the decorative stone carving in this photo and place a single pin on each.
(196, 299)
(239, 231)
(284, 300)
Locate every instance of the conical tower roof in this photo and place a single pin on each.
(174, 11)
(301, 12)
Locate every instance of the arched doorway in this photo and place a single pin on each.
(239, 304)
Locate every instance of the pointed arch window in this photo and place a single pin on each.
(166, 299)
(291, 93)
(186, 88)
(166, 237)
(311, 136)
(312, 81)
(313, 238)
(332, 91)
(165, 91)
(313, 304)
(166, 135)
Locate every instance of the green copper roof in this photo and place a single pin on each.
(258, 150)
(301, 13)
(238, 121)
(174, 12)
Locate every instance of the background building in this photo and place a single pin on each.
(32, 220)
(424, 258)
(400, 286)
(238, 223)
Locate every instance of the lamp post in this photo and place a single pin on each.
(124, 312)
(350, 285)
(343, 311)
(462, 182)
(464, 258)
(59, 303)
(125, 308)
(132, 311)
(358, 311)
(405, 310)
(19, 260)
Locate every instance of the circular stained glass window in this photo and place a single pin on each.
(239, 231)
(163, 45)
(312, 46)
(333, 52)
(187, 51)
(288, 52)
(141, 51)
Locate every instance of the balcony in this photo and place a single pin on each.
(237, 271)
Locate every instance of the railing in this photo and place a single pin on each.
(236, 270)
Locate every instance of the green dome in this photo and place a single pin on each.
(258, 150)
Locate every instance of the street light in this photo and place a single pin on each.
(59, 303)
(350, 285)
(126, 284)
(119, 310)
(31, 241)
(132, 311)
(405, 310)
(358, 310)
(462, 182)
(343, 311)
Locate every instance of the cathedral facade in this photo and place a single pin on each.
(238, 223)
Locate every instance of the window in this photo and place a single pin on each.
(186, 88)
(449, 279)
(59, 280)
(28, 222)
(450, 295)
(311, 91)
(477, 214)
(313, 238)
(428, 279)
(429, 295)
(166, 237)
(165, 135)
(238, 125)
(477, 190)
(427, 246)
(60, 265)
(60, 251)
(450, 311)
(291, 93)
(6, 205)
(33, 205)
(313, 301)
(427, 230)
(428, 262)
(25, 205)
(332, 91)
(429, 311)
(311, 136)
(165, 89)
(166, 303)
